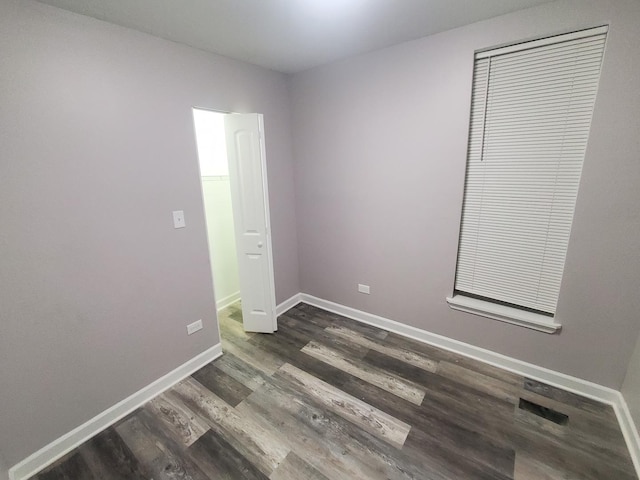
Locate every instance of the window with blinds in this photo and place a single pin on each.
(531, 111)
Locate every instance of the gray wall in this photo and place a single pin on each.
(97, 148)
(4, 473)
(631, 385)
(380, 144)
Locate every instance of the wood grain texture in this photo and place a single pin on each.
(220, 460)
(406, 356)
(185, 426)
(261, 446)
(222, 384)
(328, 398)
(390, 382)
(294, 468)
(356, 411)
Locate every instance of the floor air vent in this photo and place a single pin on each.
(544, 412)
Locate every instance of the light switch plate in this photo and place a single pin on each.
(364, 288)
(178, 219)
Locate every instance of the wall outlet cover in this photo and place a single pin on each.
(194, 327)
(178, 219)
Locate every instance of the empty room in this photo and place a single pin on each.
(319, 239)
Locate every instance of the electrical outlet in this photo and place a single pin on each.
(194, 327)
(364, 289)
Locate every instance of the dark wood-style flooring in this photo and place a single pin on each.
(329, 398)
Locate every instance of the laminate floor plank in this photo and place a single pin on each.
(593, 433)
(440, 390)
(223, 385)
(253, 354)
(350, 408)
(173, 463)
(275, 409)
(242, 372)
(294, 468)
(381, 378)
(109, 458)
(233, 329)
(70, 467)
(289, 353)
(336, 448)
(453, 465)
(479, 381)
(452, 432)
(406, 356)
(292, 327)
(220, 460)
(185, 426)
(262, 447)
(325, 319)
(329, 398)
(569, 398)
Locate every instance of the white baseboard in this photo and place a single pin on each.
(228, 300)
(63, 445)
(288, 304)
(566, 382)
(629, 430)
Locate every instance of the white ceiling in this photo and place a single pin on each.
(292, 35)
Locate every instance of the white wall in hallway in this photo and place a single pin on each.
(222, 241)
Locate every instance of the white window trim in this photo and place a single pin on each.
(504, 313)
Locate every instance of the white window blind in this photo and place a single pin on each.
(531, 112)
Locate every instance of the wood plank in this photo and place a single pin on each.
(109, 458)
(275, 410)
(588, 430)
(479, 381)
(448, 395)
(569, 398)
(564, 456)
(527, 468)
(334, 446)
(220, 460)
(240, 371)
(451, 430)
(71, 467)
(185, 426)
(426, 451)
(232, 328)
(139, 441)
(222, 384)
(407, 356)
(262, 447)
(325, 319)
(292, 327)
(294, 468)
(289, 352)
(350, 408)
(392, 383)
(253, 355)
(152, 444)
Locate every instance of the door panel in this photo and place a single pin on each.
(247, 175)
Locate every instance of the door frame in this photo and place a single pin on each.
(267, 213)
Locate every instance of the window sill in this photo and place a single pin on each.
(504, 313)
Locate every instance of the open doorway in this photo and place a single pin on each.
(234, 186)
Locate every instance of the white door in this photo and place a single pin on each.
(247, 176)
